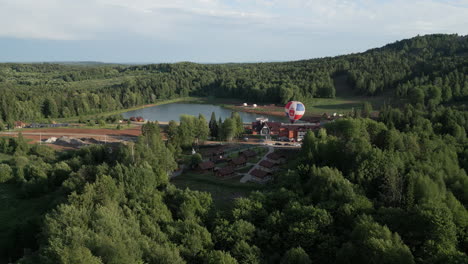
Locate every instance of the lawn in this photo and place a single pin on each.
(222, 191)
(245, 169)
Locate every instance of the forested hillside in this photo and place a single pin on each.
(391, 190)
(429, 70)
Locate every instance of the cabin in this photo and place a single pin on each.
(268, 165)
(225, 172)
(294, 131)
(247, 154)
(238, 162)
(206, 166)
(276, 157)
(219, 151)
(260, 176)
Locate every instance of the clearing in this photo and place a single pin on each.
(222, 191)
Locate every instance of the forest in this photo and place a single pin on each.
(388, 190)
(428, 69)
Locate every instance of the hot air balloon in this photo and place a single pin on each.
(294, 110)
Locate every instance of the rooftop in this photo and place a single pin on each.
(267, 164)
(259, 173)
(239, 160)
(206, 165)
(249, 153)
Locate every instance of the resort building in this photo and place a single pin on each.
(294, 131)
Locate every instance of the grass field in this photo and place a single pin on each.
(222, 191)
(344, 102)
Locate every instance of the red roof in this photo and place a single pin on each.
(259, 173)
(207, 165)
(267, 164)
(274, 126)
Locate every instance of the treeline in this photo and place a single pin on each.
(430, 69)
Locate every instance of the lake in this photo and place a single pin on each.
(168, 112)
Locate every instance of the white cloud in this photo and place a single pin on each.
(172, 20)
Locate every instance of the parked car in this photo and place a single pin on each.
(278, 144)
(287, 144)
(246, 139)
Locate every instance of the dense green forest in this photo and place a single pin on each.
(429, 70)
(392, 190)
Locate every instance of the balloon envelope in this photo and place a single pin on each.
(294, 110)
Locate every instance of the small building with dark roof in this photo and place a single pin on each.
(276, 157)
(248, 154)
(268, 165)
(239, 161)
(206, 166)
(260, 176)
(225, 172)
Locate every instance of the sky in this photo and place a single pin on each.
(213, 31)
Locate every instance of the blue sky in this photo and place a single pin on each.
(145, 31)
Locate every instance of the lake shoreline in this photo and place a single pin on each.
(204, 106)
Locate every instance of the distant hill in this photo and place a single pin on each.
(428, 70)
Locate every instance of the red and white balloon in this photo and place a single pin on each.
(294, 110)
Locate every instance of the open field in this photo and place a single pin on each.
(100, 134)
(345, 101)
